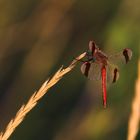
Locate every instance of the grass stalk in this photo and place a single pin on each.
(25, 108)
(133, 124)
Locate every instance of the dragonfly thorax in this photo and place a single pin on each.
(100, 57)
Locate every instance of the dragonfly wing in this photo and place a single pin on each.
(127, 53)
(124, 56)
(112, 73)
(91, 70)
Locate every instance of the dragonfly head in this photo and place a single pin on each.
(92, 47)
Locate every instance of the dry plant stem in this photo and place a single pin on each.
(35, 97)
(133, 125)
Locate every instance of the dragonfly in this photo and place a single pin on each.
(99, 66)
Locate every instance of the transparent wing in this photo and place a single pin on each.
(112, 73)
(91, 70)
(123, 56)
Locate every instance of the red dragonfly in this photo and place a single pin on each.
(98, 66)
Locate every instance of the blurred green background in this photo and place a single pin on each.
(37, 37)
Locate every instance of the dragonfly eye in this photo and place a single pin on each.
(92, 47)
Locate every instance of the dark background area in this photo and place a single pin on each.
(37, 37)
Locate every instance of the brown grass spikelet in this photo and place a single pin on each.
(25, 109)
(133, 124)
